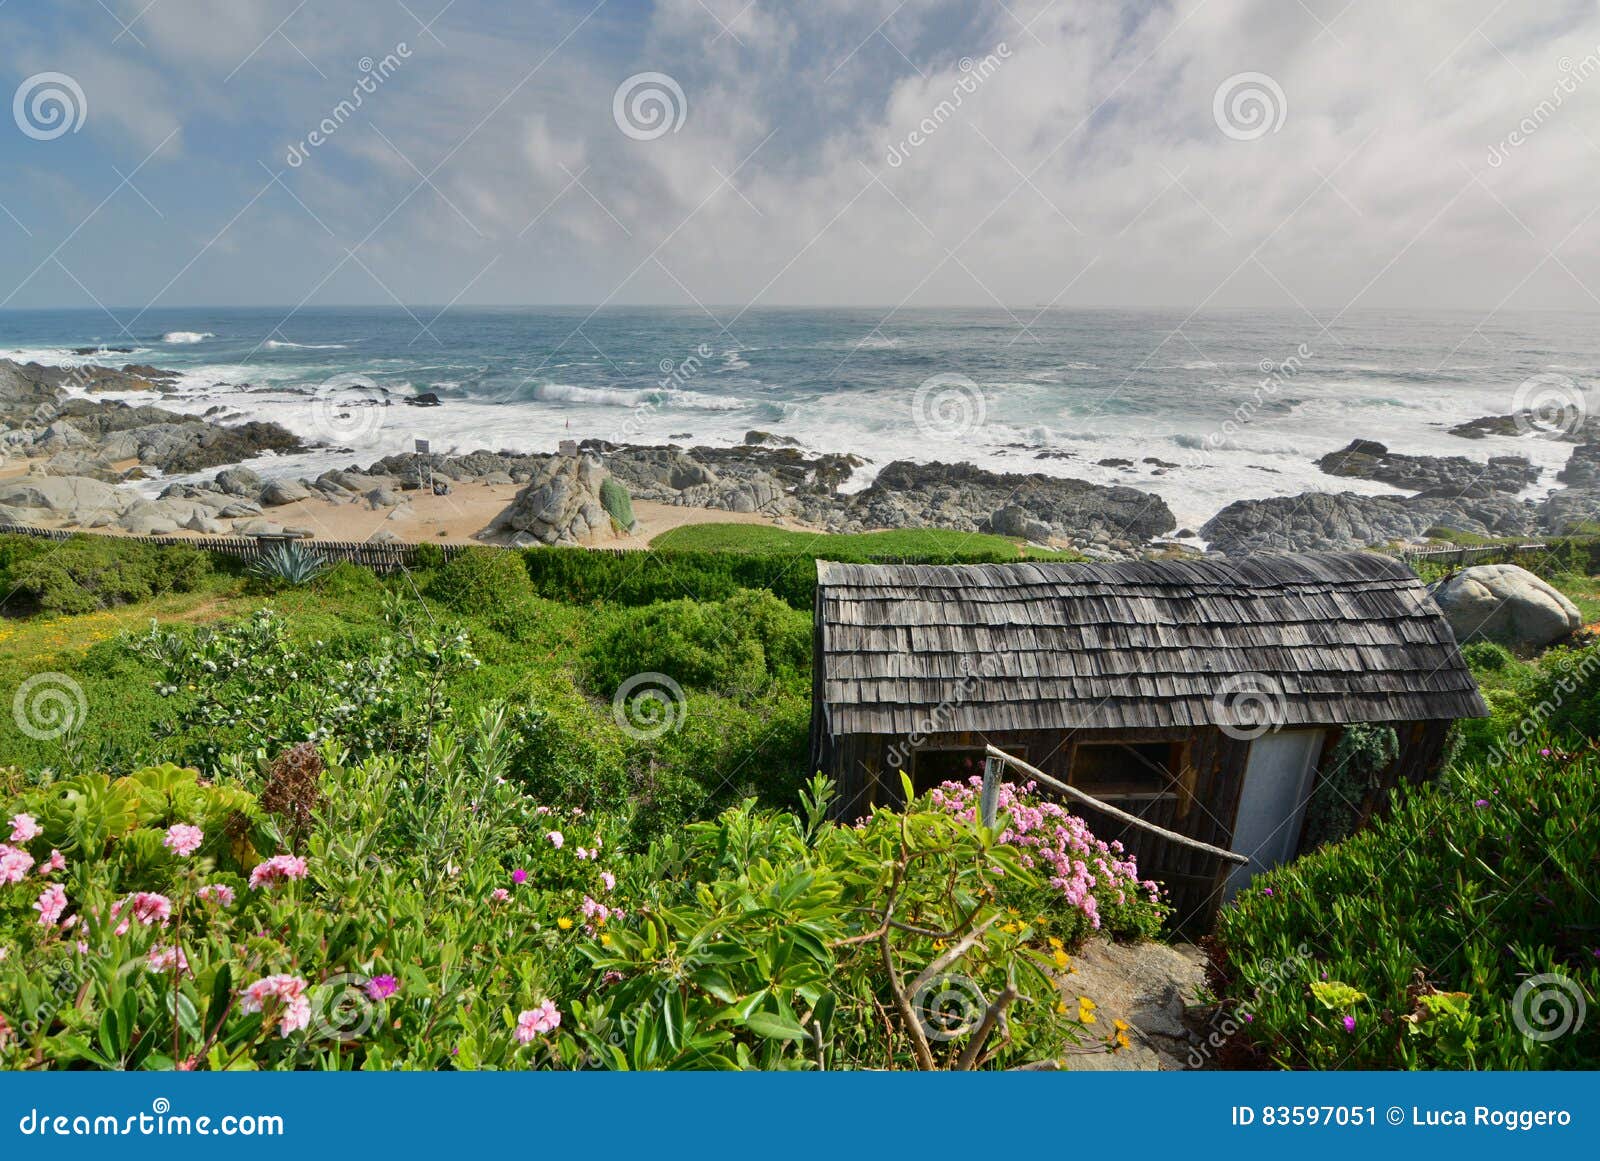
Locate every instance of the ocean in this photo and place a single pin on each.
(1203, 410)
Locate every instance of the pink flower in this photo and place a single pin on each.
(555, 839)
(277, 869)
(1542, 754)
(519, 876)
(56, 862)
(14, 864)
(609, 880)
(289, 992)
(52, 902)
(219, 893)
(167, 959)
(585, 854)
(382, 987)
(1349, 1023)
(24, 828)
(537, 1021)
(499, 895)
(183, 840)
(148, 908)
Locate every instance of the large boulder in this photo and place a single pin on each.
(560, 504)
(279, 492)
(1505, 604)
(239, 481)
(62, 496)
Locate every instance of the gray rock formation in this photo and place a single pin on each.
(1365, 459)
(560, 505)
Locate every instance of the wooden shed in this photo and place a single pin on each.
(1203, 696)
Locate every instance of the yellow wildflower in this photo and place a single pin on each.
(1061, 959)
(564, 923)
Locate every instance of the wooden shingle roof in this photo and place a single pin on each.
(1310, 639)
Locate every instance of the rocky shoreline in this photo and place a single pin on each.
(82, 460)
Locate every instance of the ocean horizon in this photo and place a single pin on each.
(1201, 409)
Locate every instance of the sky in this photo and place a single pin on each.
(1313, 155)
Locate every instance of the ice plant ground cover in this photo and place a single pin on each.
(1461, 930)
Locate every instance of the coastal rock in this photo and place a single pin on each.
(147, 518)
(1315, 521)
(965, 497)
(560, 505)
(280, 492)
(62, 496)
(1505, 604)
(1366, 459)
(209, 525)
(239, 481)
(383, 498)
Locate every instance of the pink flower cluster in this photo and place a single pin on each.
(537, 1021)
(167, 959)
(289, 992)
(183, 840)
(14, 864)
(1084, 869)
(147, 907)
(277, 869)
(24, 828)
(52, 902)
(219, 893)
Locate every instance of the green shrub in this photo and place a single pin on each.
(478, 581)
(427, 555)
(616, 501)
(86, 573)
(1487, 657)
(742, 643)
(1424, 929)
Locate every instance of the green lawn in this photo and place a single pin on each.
(903, 542)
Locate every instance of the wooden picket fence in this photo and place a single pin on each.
(1473, 554)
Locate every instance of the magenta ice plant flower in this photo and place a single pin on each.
(519, 876)
(182, 839)
(1349, 1023)
(534, 1022)
(52, 902)
(277, 869)
(382, 987)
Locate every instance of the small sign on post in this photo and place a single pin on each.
(569, 447)
(422, 447)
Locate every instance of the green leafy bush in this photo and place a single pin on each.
(742, 643)
(1487, 657)
(86, 573)
(1436, 938)
(480, 581)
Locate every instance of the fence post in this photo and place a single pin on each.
(989, 799)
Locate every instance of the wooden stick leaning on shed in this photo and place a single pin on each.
(998, 755)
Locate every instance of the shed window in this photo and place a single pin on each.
(931, 767)
(1126, 770)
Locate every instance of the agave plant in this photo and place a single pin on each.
(289, 562)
